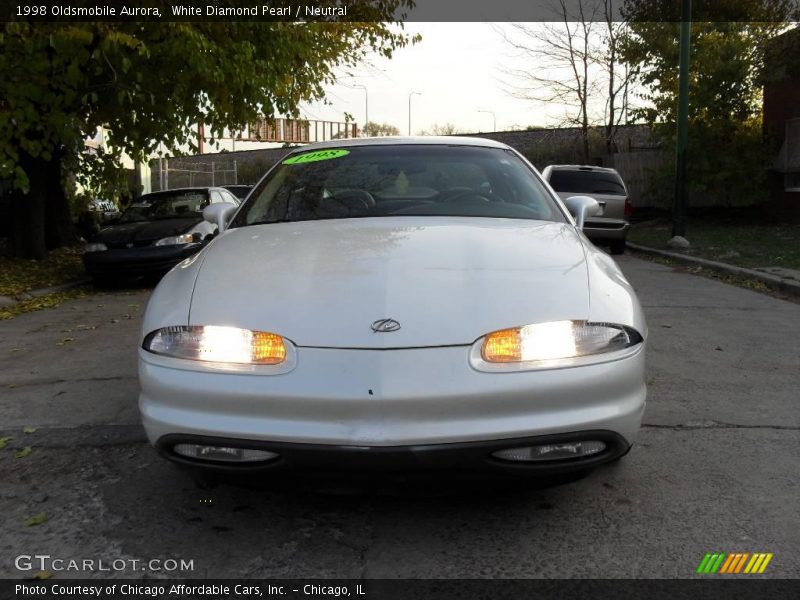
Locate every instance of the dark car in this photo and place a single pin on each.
(239, 190)
(153, 234)
(106, 210)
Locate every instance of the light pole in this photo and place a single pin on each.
(409, 109)
(679, 206)
(494, 118)
(366, 103)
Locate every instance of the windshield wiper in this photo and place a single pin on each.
(272, 221)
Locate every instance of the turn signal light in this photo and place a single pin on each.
(503, 346)
(268, 348)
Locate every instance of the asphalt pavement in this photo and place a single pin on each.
(715, 468)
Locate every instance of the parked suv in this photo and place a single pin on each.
(610, 225)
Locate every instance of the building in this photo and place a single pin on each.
(782, 120)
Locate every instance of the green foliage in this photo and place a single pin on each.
(726, 151)
(373, 129)
(150, 83)
(739, 237)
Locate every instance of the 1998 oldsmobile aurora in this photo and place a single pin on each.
(396, 304)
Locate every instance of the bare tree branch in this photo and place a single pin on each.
(573, 61)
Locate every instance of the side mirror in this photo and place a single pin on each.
(219, 214)
(581, 207)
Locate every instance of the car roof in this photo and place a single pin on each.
(427, 140)
(200, 188)
(583, 168)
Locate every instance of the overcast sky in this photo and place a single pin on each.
(456, 67)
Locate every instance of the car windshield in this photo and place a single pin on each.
(399, 180)
(587, 182)
(167, 205)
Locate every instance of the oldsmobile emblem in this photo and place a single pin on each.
(385, 326)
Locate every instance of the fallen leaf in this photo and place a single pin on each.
(36, 520)
(67, 339)
(29, 430)
(24, 452)
(12, 385)
(42, 575)
(4, 441)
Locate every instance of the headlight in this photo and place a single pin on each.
(553, 344)
(175, 240)
(217, 344)
(96, 247)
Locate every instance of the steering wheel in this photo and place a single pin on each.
(461, 193)
(348, 203)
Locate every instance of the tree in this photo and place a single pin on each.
(373, 129)
(149, 84)
(725, 145)
(573, 61)
(443, 129)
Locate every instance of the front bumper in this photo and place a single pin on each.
(384, 399)
(137, 262)
(474, 457)
(600, 229)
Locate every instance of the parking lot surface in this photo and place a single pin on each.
(715, 468)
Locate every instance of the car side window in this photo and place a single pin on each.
(216, 197)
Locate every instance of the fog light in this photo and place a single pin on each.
(551, 451)
(222, 453)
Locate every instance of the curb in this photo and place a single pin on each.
(6, 301)
(781, 284)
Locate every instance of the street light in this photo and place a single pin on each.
(409, 109)
(366, 103)
(494, 117)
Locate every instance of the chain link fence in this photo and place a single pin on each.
(171, 173)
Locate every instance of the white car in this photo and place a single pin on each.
(392, 304)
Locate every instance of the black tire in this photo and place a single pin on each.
(618, 247)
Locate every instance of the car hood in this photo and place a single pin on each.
(144, 231)
(447, 281)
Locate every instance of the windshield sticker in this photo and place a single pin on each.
(315, 156)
